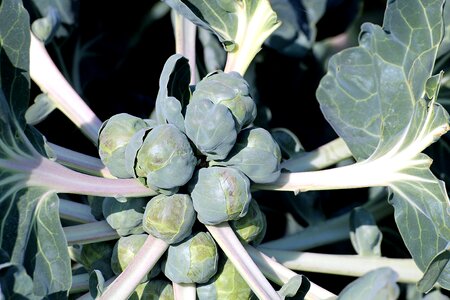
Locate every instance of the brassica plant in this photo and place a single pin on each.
(207, 189)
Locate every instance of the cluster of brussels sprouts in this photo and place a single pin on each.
(202, 158)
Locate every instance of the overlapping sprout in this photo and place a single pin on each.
(203, 171)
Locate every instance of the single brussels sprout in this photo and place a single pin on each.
(229, 89)
(252, 226)
(114, 136)
(256, 154)
(169, 218)
(97, 256)
(220, 194)
(125, 217)
(166, 159)
(211, 127)
(193, 260)
(125, 250)
(153, 290)
(226, 284)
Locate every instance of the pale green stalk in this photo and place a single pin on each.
(80, 162)
(80, 283)
(252, 31)
(230, 244)
(184, 291)
(288, 279)
(76, 212)
(346, 265)
(323, 157)
(330, 231)
(55, 177)
(89, 233)
(185, 40)
(146, 258)
(46, 75)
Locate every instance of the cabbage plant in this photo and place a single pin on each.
(199, 182)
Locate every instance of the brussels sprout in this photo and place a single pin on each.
(125, 250)
(165, 160)
(169, 218)
(256, 154)
(226, 284)
(153, 290)
(211, 127)
(97, 256)
(193, 260)
(220, 194)
(252, 226)
(114, 136)
(124, 217)
(231, 90)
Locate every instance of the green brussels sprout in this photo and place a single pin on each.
(252, 226)
(220, 194)
(125, 217)
(226, 284)
(229, 89)
(125, 250)
(166, 159)
(97, 256)
(193, 260)
(211, 127)
(113, 138)
(169, 218)
(153, 290)
(256, 154)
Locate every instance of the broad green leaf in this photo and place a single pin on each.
(370, 91)
(30, 231)
(379, 284)
(241, 25)
(375, 97)
(434, 270)
(297, 33)
(444, 48)
(14, 58)
(174, 93)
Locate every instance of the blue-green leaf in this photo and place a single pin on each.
(30, 230)
(14, 58)
(380, 99)
(364, 233)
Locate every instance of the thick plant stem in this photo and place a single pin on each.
(90, 233)
(330, 231)
(184, 291)
(323, 157)
(146, 258)
(347, 265)
(289, 280)
(80, 283)
(230, 244)
(46, 173)
(185, 40)
(76, 212)
(80, 162)
(46, 75)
